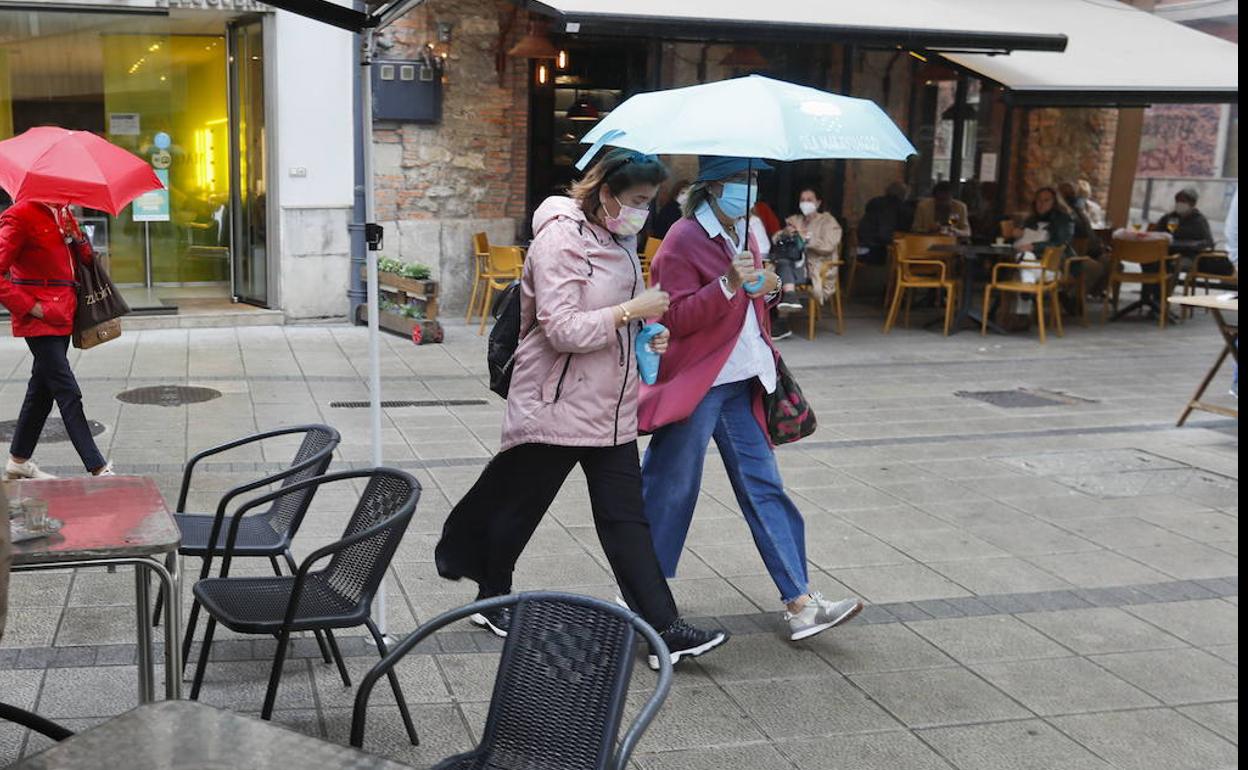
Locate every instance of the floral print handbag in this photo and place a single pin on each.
(789, 416)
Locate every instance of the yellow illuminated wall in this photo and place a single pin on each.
(6, 97)
(176, 84)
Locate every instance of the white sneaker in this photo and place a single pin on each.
(819, 615)
(107, 470)
(27, 470)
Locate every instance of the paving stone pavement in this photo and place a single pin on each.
(1048, 587)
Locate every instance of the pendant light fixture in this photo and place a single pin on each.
(536, 44)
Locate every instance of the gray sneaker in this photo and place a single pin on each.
(819, 615)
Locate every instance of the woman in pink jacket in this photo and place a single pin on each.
(573, 400)
(711, 386)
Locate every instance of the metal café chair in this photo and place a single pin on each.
(560, 690)
(267, 533)
(334, 596)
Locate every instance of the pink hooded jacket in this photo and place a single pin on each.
(575, 376)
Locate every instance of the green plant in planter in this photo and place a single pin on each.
(413, 311)
(416, 271)
(388, 265)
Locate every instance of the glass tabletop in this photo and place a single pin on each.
(101, 518)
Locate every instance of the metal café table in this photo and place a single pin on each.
(972, 255)
(115, 521)
(1230, 333)
(186, 735)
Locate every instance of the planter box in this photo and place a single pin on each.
(421, 331)
(425, 288)
(405, 289)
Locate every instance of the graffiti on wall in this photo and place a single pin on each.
(1180, 140)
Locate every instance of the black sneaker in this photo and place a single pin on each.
(789, 303)
(683, 640)
(780, 329)
(497, 621)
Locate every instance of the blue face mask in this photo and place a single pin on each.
(736, 197)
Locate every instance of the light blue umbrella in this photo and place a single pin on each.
(751, 117)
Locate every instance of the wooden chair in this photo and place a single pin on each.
(915, 246)
(503, 266)
(480, 260)
(1047, 282)
(1198, 279)
(918, 270)
(849, 248)
(1142, 253)
(828, 271)
(1075, 284)
(647, 255)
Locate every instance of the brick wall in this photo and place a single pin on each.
(473, 163)
(1064, 144)
(438, 184)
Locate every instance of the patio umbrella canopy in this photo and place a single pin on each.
(752, 117)
(59, 166)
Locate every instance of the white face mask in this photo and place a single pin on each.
(808, 208)
(682, 198)
(1182, 209)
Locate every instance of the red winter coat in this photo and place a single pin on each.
(36, 265)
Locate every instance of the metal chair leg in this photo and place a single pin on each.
(1040, 314)
(201, 665)
(337, 654)
(320, 641)
(394, 683)
(275, 676)
(191, 620)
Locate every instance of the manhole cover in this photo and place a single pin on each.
(1022, 398)
(168, 395)
(53, 430)
(399, 404)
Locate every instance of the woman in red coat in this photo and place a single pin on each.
(39, 244)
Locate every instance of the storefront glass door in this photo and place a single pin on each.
(250, 163)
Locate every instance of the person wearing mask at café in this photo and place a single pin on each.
(719, 364)
(573, 401)
(942, 213)
(669, 214)
(884, 216)
(820, 235)
(1191, 232)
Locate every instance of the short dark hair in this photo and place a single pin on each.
(619, 170)
(942, 187)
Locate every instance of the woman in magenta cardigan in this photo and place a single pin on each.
(718, 364)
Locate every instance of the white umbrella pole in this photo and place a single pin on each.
(374, 331)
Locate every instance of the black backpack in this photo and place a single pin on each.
(504, 338)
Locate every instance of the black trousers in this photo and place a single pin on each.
(488, 530)
(51, 380)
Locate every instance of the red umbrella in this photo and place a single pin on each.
(59, 166)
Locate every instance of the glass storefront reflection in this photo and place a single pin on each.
(159, 87)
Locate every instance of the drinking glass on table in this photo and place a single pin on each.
(1172, 225)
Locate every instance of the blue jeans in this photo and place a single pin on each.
(671, 476)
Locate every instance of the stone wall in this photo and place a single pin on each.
(1064, 144)
(436, 183)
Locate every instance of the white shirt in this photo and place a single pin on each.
(751, 356)
(759, 231)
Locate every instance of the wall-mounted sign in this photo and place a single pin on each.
(123, 123)
(988, 167)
